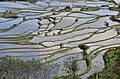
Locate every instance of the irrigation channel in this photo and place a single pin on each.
(54, 32)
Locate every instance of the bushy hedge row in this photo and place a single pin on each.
(14, 68)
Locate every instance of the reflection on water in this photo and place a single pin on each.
(53, 32)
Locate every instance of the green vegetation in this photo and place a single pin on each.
(15, 68)
(85, 8)
(9, 14)
(71, 68)
(114, 8)
(115, 18)
(112, 65)
(83, 47)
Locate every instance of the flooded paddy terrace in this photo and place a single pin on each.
(53, 32)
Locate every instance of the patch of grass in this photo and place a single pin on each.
(85, 8)
(114, 8)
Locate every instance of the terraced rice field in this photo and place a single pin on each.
(54, 32)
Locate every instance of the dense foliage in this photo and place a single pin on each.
(15, 68)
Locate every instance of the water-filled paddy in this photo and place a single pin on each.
(53, 33)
